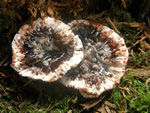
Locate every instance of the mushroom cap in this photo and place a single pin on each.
(105, 58)
(46, 50)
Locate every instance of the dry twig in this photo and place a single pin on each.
(92, 103)
(112, 25)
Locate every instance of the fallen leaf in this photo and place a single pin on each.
(107, 109)
(123, 3)
(75, 100)
(42, 13)
(110, 104)
(1, 96)
(125, 89)
(112, 111)
(101, 109)
(142, 38)
(144, 45)
(32, 9)
(147, 81)
(3, 75)
(50, 12)
(92, 103)
(110, 22)
(70, 111)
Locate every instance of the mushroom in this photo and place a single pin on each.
(46, 50)
(103, 65)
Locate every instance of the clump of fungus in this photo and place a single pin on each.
(83, 55)
(103, 65)
(46, 50)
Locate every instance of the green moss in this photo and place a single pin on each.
(138, 100)
(8, 22)
(122, 16)
(141, 59)
(116, 97)
(129, 34)
(62, 105)
(29, 108)
(47, 104)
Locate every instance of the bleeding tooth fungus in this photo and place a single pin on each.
(46, 50)
(83, 55)
(103, 65)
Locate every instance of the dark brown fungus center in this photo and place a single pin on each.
(43, 51)
(93, 68)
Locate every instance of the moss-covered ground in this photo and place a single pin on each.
(23, 95)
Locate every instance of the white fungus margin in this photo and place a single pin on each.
(46, 50)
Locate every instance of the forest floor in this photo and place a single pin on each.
(132, 95)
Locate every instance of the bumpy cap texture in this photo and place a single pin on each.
(46, 50)
(83, 55)
(105, 58)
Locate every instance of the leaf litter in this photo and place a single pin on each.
(139, 49)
